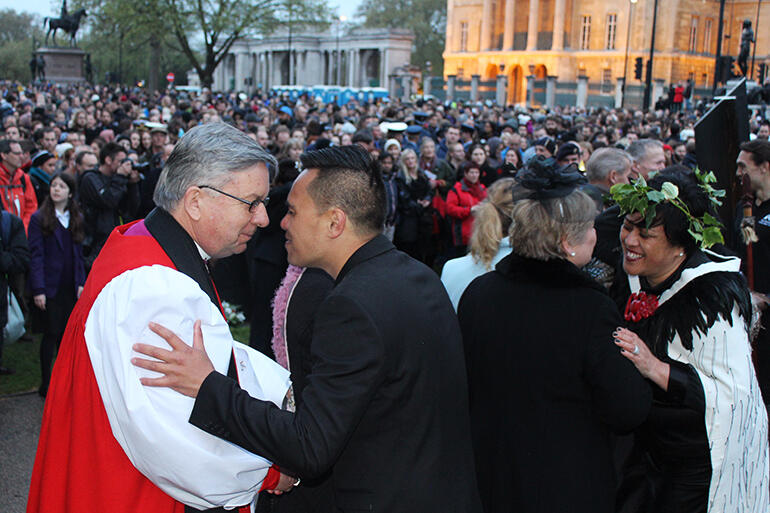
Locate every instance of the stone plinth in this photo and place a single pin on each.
(63, 65)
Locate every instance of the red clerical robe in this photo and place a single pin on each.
(80, 466)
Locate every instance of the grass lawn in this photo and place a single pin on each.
(24, 358)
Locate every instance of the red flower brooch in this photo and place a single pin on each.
(640, 306)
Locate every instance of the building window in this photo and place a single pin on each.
(607, 80)
(707, 37)
(693, 34)
(585, 32)
(612, 29)
(463, 36)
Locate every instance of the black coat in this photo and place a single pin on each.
(266, 264)
(107, 202)
(14, 258)
(414, 220)
(547, 385)
(385, 405)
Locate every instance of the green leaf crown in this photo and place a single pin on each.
(639, 197)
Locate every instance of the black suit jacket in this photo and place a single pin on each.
(385, 405)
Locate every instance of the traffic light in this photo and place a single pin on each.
(638, 68)
(761, 72)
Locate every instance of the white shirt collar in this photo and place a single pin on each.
(203, 254)
(63, 217)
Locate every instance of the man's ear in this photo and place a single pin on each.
(337, 220)
(191, 203)
(613, 177)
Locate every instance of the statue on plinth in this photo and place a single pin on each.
(69, 23)
(747, 37)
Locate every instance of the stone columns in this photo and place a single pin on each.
(532, 26)
(406, 85)
(385, 66)
(657, 91)
(486, 26)
(510, 6)
(582, 91)
(619, 92)
(558, 25)
(475, 87)
(450, 87)
(269, 74)
(501, 89)
(355, 80)
(550, 91)
(392, 85)
(238, 72)
(530, 90)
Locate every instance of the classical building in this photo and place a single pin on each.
(355, 58)
(597, 39)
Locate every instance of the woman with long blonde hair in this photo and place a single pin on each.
(488, 243)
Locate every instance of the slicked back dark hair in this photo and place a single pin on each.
(349, 180)
(759, 149)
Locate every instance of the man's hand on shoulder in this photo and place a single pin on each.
(184, 368)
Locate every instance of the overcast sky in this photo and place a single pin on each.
(50, 8)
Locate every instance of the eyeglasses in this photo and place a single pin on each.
(252, 204)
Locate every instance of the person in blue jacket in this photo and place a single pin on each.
(57, 270)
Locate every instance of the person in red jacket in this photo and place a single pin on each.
(461, 198)
(16, 192)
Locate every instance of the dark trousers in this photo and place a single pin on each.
(56, 315)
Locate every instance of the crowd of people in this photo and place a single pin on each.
(609, 354)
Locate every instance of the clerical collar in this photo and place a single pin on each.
(205, 256)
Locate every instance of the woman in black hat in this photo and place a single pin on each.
(546, 384)
(40, 174)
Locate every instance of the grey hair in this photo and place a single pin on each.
(605, 160)
(536, 233)
(207, 155)
(639, 149)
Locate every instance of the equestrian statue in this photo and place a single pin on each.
(69, 23)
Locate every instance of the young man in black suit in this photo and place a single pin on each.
(385, 406)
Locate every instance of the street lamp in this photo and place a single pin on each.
(756, 38)
(342, 19)
(648, 78)
(625, 59)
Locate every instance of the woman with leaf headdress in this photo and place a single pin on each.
(704, 446)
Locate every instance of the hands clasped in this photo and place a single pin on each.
(184, 368)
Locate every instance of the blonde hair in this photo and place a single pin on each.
(539, 226)
(402, 165)
(491, 222)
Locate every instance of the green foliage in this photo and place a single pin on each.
(638, 197)
(17, 31)
(426, 18)
(202, 31)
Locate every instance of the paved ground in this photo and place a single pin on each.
(19, 428)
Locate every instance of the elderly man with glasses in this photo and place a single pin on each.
(109, 444)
